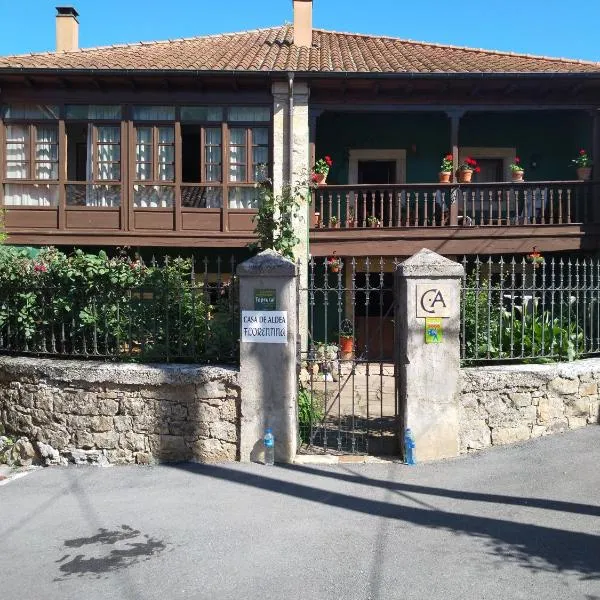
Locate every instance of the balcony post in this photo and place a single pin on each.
(455, 117)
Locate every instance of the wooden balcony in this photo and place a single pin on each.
(455, 218)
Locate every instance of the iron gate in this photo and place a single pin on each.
(348, 398)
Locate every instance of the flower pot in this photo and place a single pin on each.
(316, 219)
(464, 175)
(518, 175)
(346, 346)
(334, 225)
(349, 223)
(320, 178)
(584, 173)
(444, 176)
(334, 269)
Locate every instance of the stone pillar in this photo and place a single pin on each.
(428, 297)
(268, 371)
(299, 172)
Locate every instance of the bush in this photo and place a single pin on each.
(96, 305)
(310, 412)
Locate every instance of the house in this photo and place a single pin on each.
(159, 144)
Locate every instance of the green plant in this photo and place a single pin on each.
(372, 220)
(469, 164)
(584, 160)
(447, 164)
(323, 165)
(274, 221)
(310, 412)
(333, 221)
(516, 165)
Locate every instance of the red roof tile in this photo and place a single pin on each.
(272, 49)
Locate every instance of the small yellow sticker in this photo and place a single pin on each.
(433, 330)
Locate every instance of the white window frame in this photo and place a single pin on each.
(380, 154)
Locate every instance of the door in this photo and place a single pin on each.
(374, 203)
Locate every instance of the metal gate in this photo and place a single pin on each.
(348, 399)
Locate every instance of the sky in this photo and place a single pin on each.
(545, 27)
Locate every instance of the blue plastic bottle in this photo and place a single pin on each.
(410, 450)
(269, 443)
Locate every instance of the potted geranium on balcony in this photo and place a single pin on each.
(372, 221)
(535, 258)
(517, 170)
(334, 264)
(584, 165)
(466, 170)
(446, 169)
(321, 170)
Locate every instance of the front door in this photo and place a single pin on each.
(375, 203)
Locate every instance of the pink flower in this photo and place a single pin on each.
(39, 268)
(582, 152)
(517, 160)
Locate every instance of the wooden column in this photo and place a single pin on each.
(455, 117)
(62, 172)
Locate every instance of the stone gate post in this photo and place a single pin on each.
(428, 351)
(268, 367)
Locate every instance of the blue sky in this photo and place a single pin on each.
(548, 27)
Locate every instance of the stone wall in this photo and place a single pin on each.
(121, 413)
(505, 404)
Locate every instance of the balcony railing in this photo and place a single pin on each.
(452, 204)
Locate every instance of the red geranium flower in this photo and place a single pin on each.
(314, 177)
(449, 157)
(582, 152)
(517, 160)
(477, 169)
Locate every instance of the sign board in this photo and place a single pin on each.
(433, 300)
(433, 330)
(264, 326)
(265, 300)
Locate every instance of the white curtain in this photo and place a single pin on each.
(46, 153)
(17, 146)
(108, 165)
(212, 149)
(20, 194)
(237, 154)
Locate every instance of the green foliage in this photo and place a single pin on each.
(92, 304)
(527, 331)
(275, 217)
(310, 412)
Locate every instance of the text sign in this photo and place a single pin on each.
(264, 327)
(265, 300)
(433, 300)
(433, 330)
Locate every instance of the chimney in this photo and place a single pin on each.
(67, 29)
(303, 23)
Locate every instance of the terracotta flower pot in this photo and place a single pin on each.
(584, 173)
(320, 178)
(349, 223)
(518, 175)
(444, 176)
(346, 345)
(316, 219)
(465, 175)
(335, 225)
(334, 269)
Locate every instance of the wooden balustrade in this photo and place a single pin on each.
(462, 205)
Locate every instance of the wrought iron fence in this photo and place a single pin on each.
(530, 308)
(184, 311)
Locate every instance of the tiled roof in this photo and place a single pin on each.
(272, 49)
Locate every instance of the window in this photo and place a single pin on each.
(30, 112)
(154, 162)
(153, 113)
(31, 154)
(93, 112)
(93, 158)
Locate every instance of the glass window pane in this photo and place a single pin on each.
(153, 196)
(110, 171)
(201, 113)
(213, 172)
(249, 113)
(260, 155)
(243, 197)
(143, 171)
(166, 154)
(45, 170)
(213, 136)
(260, 136)
(237, 173)
(166, 135)
(30, 111)
(109, 134)
(17, 133)
(154, 113)
(201, 197)
(17, 194)
(166, 172)
(213, 154)
(144, 135)
(93, 195)
(237, 136)
(16, 170)
(237, 154)
(93, 111)
(109, 152)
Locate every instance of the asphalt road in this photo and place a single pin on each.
(513, 523)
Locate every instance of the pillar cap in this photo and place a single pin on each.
(427, 263)
(267, 264)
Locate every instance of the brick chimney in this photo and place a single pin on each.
(67, 29)
(303, 23)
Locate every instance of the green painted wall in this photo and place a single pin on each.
(550, 138)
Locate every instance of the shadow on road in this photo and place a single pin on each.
(536, 547)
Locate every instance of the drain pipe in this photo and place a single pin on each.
(291, 127)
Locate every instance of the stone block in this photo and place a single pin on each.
(594, 408)
(211, 391)
(145, 424)
(528, 414)
(550, 409)
(120, 456)
(229, 411)
(83, 440)
(133, 442)
(213, 451)
(469, 401)
(106, 441)
(520, 399)
(172, 447)
(123, 423)
(510, 435)
(576, 422)
(577, 407)
(144, 458)
(538, 431)
(474, 435)
(108, 407)
(222, 430)
(558, 426)
(563, 386)
(588, 389)
(100, 424)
